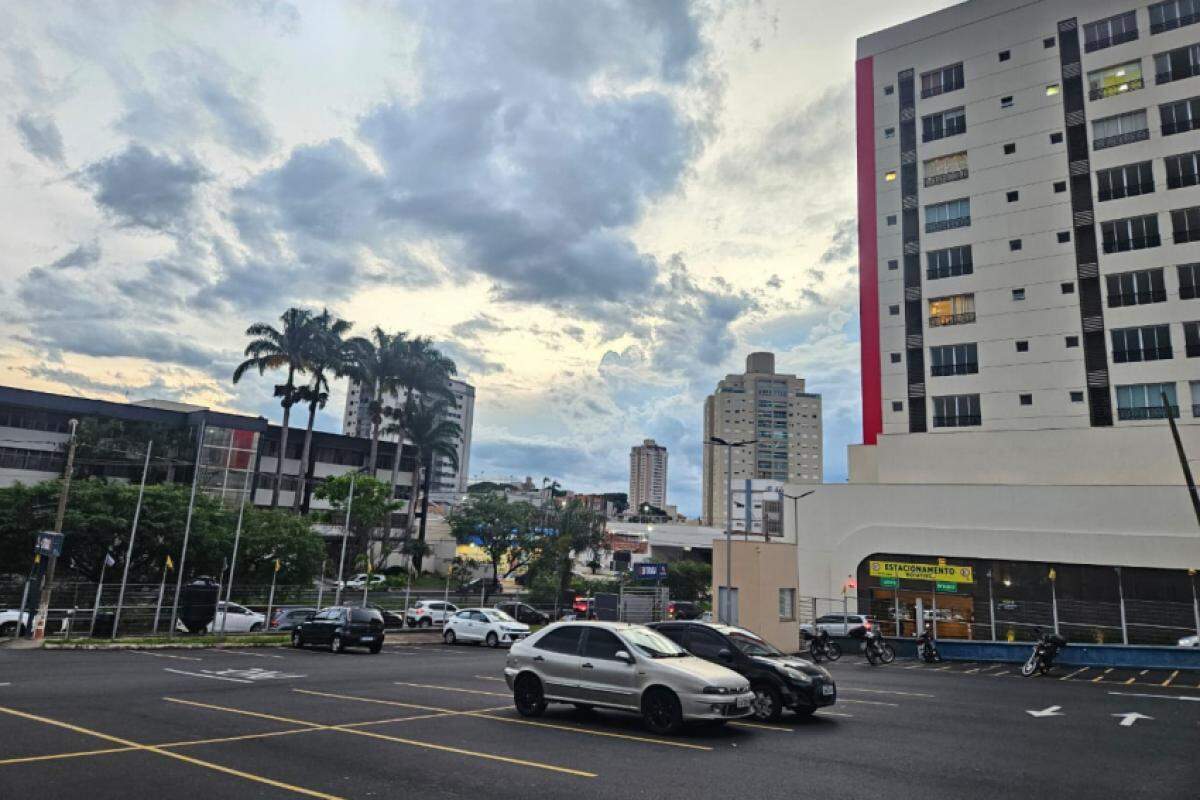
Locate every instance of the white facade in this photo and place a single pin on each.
(648, 475)
(771, 409)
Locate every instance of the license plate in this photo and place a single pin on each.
(743, 702)
(827, 690)
(368, 638)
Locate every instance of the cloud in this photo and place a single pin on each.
(480, 324)
(471, 361)
(40, 136)
(140, 188)
(85, 255)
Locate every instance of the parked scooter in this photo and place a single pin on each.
(927, 647)
(821, 645)
(876, 649)
(1044, 653)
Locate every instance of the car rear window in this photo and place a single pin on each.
(365, 615)
(561, 640)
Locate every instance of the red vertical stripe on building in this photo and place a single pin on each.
(868, 252)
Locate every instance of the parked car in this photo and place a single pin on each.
(682, 609)
(360, 581)
(287, 619)
(1190, 641)
(238, 619)
(476, 586)
(626, 667)
(390, 618)
(778, 681)
(341, 627)
(841, 624)
(488, 626)
(10, 619)
(427, 613)
(523, 612)
(705, 617)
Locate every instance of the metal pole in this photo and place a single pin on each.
(137, 513)
(270, 596)
(187, 529)
(991, 606)
(1054, 601)
(158, 608)
(337, 600)
(724, 615)
(1195, 602)
(367, 584)
(896, 609)
(408, 579)
(445, 595)
(237, 538)
(39, 622)
(1121, 595)
(321, 584)
(99, 589)
(933, 610)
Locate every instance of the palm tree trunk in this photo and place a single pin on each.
(308, 435)
(283, 436)
(424, 512)
(413, 494)
(376, 424)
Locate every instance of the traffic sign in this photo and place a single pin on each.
(650, 571)
(945, 587)
(889, 583)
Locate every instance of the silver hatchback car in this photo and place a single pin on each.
(626, 667)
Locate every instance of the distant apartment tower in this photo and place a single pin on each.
(774, 412)
(648, 475)
(449, 484)
(1029, 217)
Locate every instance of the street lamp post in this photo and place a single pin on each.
(723, 610)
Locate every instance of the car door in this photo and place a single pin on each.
(707, 644)
(480, 624)
(448, 610)
(557, 661)
(603, 678)
(460, 623)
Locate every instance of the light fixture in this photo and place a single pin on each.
(890, 176)
(1007, 582)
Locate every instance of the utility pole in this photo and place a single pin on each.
(1183, 462)
(137, 513)
(39, 622)
(723, 609)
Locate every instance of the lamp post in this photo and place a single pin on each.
(1195, 601)
(723, 610)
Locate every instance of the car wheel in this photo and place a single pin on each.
(528, 696)
(335, 644)
(661, 711)
(767, 704)
(297, 639)
(8, 629)
(427, 623)
(376, 648)
(256, 627)
(492, 639)
(449, 638)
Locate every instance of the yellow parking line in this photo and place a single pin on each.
(1131, 680)
(1100, 677)
(168, 754)
(397, 739)
(1167, 682)
(760, 726)
(1073, 674)
(452, 689)
(55, 756)
(554, 725)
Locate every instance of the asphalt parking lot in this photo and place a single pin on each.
(433, 721)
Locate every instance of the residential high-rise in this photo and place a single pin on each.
(775, 412)
(648, 475)
(448, 484)
(1029, 218)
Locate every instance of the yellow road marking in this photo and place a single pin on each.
(1073, 674)
(53, 756)
(759, 726)
(1167, 682)
(397, 739)
(452, 689)
(554, 725)
(1099, 677)
(168, 754)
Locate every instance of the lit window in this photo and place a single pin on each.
(1052, 90)
(890, 175)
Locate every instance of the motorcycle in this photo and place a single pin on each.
(1043, 655)
(820, 644)
(927, 647)
(876, 649)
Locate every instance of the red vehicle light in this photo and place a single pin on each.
(867, 624)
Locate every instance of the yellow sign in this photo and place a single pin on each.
(947, 573)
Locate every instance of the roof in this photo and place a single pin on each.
(134, 412)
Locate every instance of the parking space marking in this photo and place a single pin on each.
(760, 726)
(56, 756)
(1160, 696)
(1073, 674)
(242, 653)
(1100, 677)
(869, 702)
(1167, 682)
(169, 754)
(883, 691)
(481, 677)
(397, 739)
(825, 713)
(484, 714)
(202, 675)
(165, 655)
(452, 689)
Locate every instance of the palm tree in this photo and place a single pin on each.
(433, 436)
(273, 348)
(374, 363)
(328, 354)
(421, 371)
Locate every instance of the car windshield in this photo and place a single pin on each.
(751, 645)
(652, 643)
(496, 615)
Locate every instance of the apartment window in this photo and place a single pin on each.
(1108, 32)
(1185, 224)
(891, 219)
(787, 604)
(1048, 42)
(1173, 14)
(1014, 244)
(1182, 170)
(1076, 397)
(1018, 294)
(889, 133)
(940, 81)
(1136, 288)
(897, 406)
(1026, 399)
(1195, 387)
(943, 124)
(1191, 339)
(1132, 233)
(946, 169)
(948, 263)
(1120, 129)
(1013, 196)
(894, 311)
(1189, 281)
(1067, 288)
(1145, 401)
(1010, 148)
(1072, 341)
(1005, 55)
(1180, 116)
(893, 264)
(951, 214)
(1144, 343)
(1064, 237)
(1126, 181)
(1056, 137)
(1060, 187)
(1006, 102)
(1022, 346)
(889, 89)
(953, 359)
(890, 175)
(1177, 64)
(895, 358)
(1051, 89)
(1115, 80)
(958, 309)
(956, 411)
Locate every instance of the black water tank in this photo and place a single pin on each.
(198, 604)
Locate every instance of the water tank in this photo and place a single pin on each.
(198, 604)
(760, 363)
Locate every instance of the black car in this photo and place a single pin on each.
(341, 627)
(779, 681)
(390, 618)
(288, 619)
(683, 609)
(523, 612)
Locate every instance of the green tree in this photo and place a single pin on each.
(574, 529)
(689, 580)
(501, 529)
(372, 505)
(287, 347)
(328, 354)
(433, 436)
(375, 364)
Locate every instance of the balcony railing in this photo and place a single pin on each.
(957, 421)
(952, 319)
(1113, 91)
(951, 129)
(1110, 41)
(934, 91)
(1190, 71)
(1137, 298)
(1147, 412)
(1126, 190)
(946, 177)
(1171, 24)
(1132, 243)
(1144, 354)
(1178, 126)
(1128, 137)
(948, 224)
(963, 368)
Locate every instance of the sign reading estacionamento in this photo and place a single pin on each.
(946, 573)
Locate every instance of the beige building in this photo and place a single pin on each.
(773, 411)
(648, 475)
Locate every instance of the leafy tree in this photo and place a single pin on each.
(371, 507)
(374, 363)
(328, 354)
(574, 529)
(501, 529)
(620, 500)
(689, 580)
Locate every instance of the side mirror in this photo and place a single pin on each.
(623, 655)
(725, 654)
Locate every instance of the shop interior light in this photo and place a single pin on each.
(1007, 581)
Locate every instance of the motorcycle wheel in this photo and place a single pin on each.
(870, 652)
(1029, 667)
(833, 651)
(1044, 668)
(815, 655)
(887, 653)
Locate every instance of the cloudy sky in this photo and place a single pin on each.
(596, 207)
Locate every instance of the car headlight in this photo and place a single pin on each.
(796, 676)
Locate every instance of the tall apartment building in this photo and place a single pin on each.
(1029, 217)
(774, 412)
(449, 483)
(648, 475)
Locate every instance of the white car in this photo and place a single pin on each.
(359, 581)
(487, 625)
(1190, 641)
(238, 619)
(8, 621)
(427, 613)
(841, 624)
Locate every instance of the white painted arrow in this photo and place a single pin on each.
(1130, 717)
(1052, 711)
